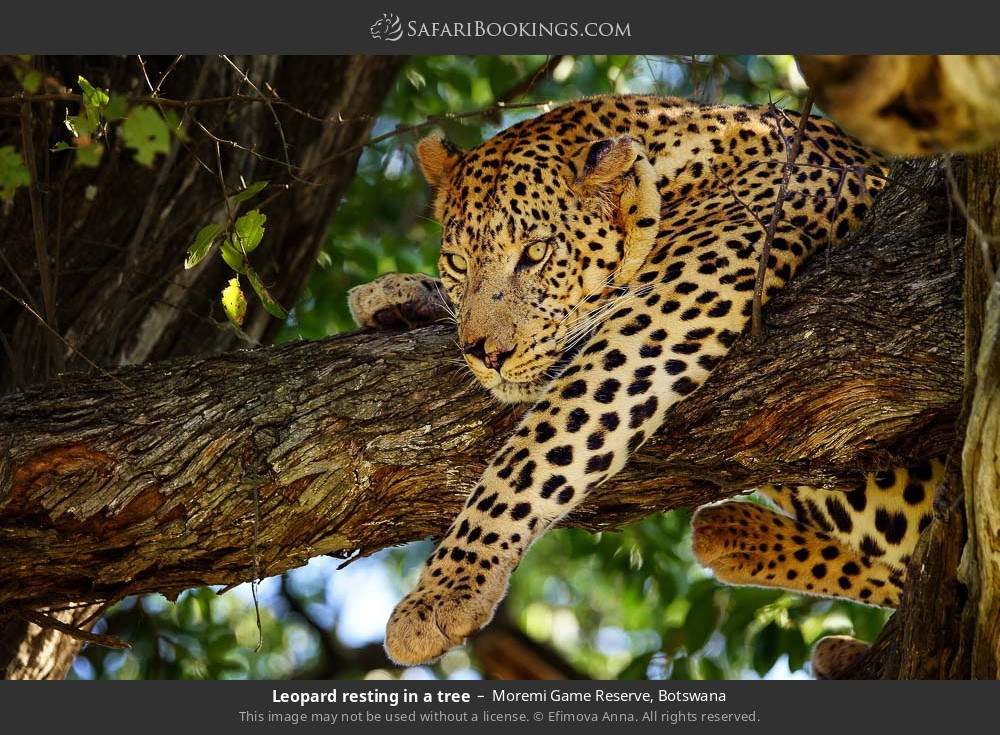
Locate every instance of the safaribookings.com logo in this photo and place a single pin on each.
(387, 28)
(390, 28)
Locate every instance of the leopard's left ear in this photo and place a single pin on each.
(619, 171)
(437, 156)
(605, 161)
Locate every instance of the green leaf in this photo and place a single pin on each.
(13, 174)
(201, 245)
(795, 647)
(174, 125)
(234, 303)
(766, 648)
(249, 230)
(145, 131)
(461, 133)
(79, 126)
(710, 669)
(251, 191)
(637, 667)
(233, 256)
(92, 96)
(89, 155)
(62, 145)
(273, 307)
(681, 668)
(94, 101)
(117, 108)
(204, 597)
(31, 82)
(701, 618)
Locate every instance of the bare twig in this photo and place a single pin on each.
(37, 218)
(527, 84)
(757, 329)
(222, 183)
(156, 99)
(68, 345)
(255, 582)
(981, 235)
(296, 172)
(270, 107)
(165, 74)
(44, 621)
(429, 123)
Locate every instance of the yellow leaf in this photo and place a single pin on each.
(234, 302)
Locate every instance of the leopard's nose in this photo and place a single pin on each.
(491, 356)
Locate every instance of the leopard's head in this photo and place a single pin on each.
(540, 225)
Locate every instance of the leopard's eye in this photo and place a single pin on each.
(456, 262)
(534, 253)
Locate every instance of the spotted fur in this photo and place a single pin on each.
(601, 259)
(852, 542)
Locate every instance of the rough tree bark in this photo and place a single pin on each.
(113, 238)
(948, 626)
(151, 480)
(980, 568)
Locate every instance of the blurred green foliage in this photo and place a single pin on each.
(632, 604)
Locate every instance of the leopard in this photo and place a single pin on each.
(600, 260)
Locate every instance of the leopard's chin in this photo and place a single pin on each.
(533, 389)
(508, 391)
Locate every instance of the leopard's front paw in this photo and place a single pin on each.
(433, 619)
(398, 301)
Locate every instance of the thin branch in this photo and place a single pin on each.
(73, 350)
(155, 99)
(297, 172)
(757, 329)
(270, 106)
(44, 621)
(984, 239)
(38, 220)
(165, 74)
(429, 123)
(527, 84)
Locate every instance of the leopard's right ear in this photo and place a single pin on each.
(437, 156)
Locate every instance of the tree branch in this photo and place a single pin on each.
(364, 441)
(112, 309)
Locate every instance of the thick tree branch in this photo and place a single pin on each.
(116, 234)
(368, 440)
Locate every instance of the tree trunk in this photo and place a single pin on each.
(154, 478)
(980, 570)
(116, 250)
(948, 625)
(112, 239)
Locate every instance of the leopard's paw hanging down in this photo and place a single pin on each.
(445, 608)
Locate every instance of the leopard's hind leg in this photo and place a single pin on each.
(747, 544)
